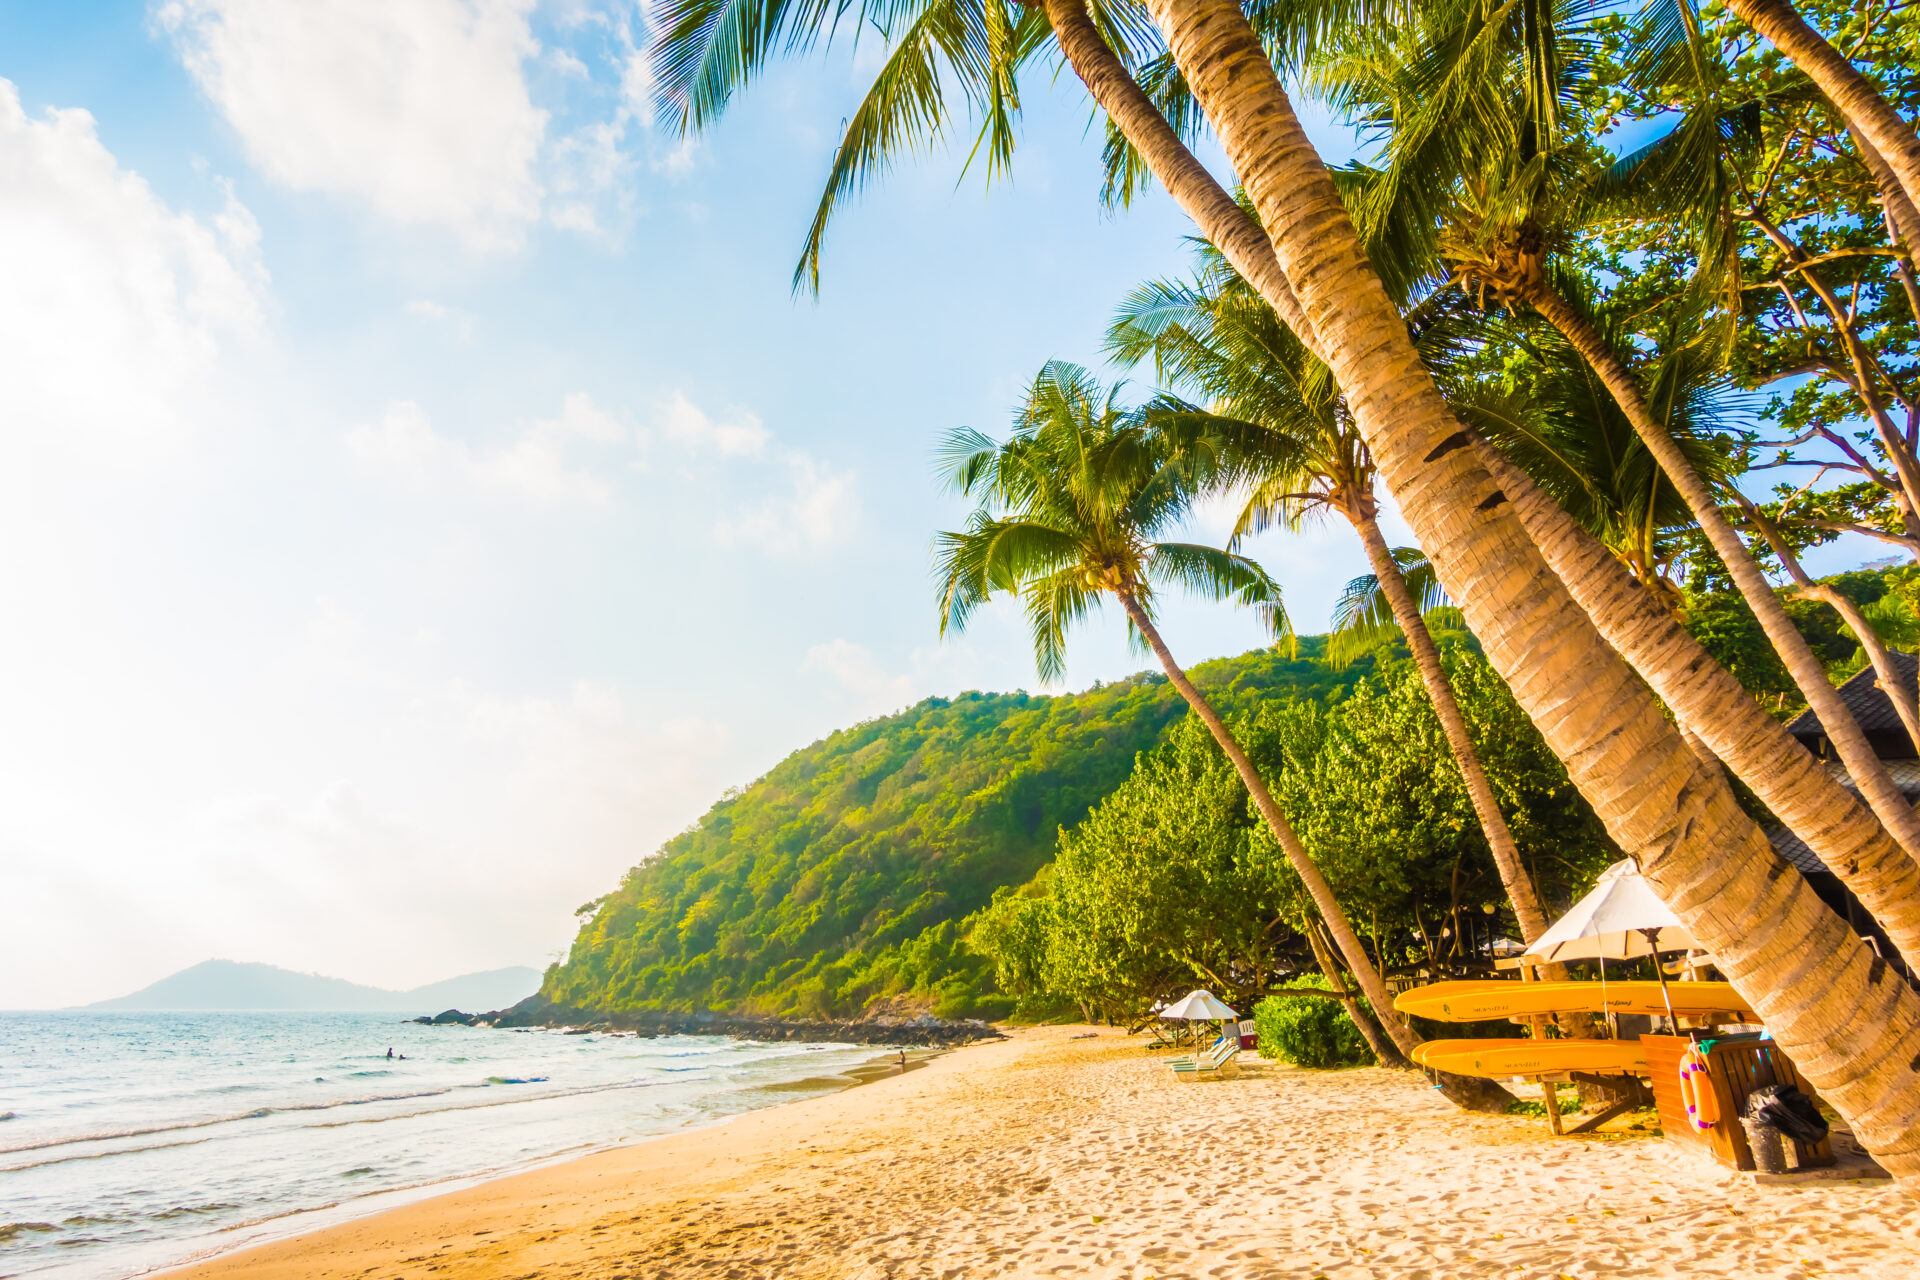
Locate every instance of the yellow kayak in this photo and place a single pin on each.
(1499, 1059)
(1485, 1001)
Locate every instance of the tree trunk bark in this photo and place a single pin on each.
(1220, 219)
(1707, 699)
(1863, 763)
(1426, 656)
(1851, 93)
(1316, 884)
(1884, 673)
(1851, 1026)
(1478, 1095)
(1903, 219)
(1383, 1049)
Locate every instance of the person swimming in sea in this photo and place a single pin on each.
(389, 1054)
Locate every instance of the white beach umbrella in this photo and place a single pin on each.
(1621, 919)
(1198, 1006)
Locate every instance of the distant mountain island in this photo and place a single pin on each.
(230, 984)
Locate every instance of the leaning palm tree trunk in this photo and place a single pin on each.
(1866, 767)
(1223, 222)
(1708, 700)
(1832, 1005)
(1383, 1049)
(1467, 1092)
(1852, 94)
(1903, 219)
(1426, 656)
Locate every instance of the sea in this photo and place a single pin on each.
(133, 1142)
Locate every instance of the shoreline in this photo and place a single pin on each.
(296, 1225)
(892, 1030)
(379, 1232)
(1069, 1151)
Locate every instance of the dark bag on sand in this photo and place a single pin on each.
(1787, 1109)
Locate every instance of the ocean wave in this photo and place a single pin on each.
(192, 1210)
(65, 1156)
(13, 1230)
(97, 1155)
(517, 1079)
(513, 1101)
(115, 1135)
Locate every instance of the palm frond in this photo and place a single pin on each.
(706, 50)
(1363, 616)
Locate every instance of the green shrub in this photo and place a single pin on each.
(1307, 1031)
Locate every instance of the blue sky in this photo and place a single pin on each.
(422, 493)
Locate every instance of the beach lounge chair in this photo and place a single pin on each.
(1188, 1059)
(1162, 1039)
(1213, 1062)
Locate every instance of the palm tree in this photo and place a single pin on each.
(1073, 508)
(1363, 617)
(1706, 698)
(1828, 1004)
(1567, 432)
(1287, 436)
(1823, 996)
(1472, 193)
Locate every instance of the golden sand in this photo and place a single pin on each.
(1051, 1155)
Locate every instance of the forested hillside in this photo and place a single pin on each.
(841, 875)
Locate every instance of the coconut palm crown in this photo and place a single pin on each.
(1077, 503)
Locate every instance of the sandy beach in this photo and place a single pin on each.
(1061, 1153)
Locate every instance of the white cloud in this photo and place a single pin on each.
(685, 423)
(636, 84)
(589, 175)
(568, 65)
(855, 667)
(536, 466)
(819, 507)
(419, 108)
(453, 320)
(115, 306)
(433, 823)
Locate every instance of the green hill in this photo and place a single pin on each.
(838, 879)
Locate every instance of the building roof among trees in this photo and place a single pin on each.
(1871, 708)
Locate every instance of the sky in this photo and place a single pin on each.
(421, 494)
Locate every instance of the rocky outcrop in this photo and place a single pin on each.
(923, 1030)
